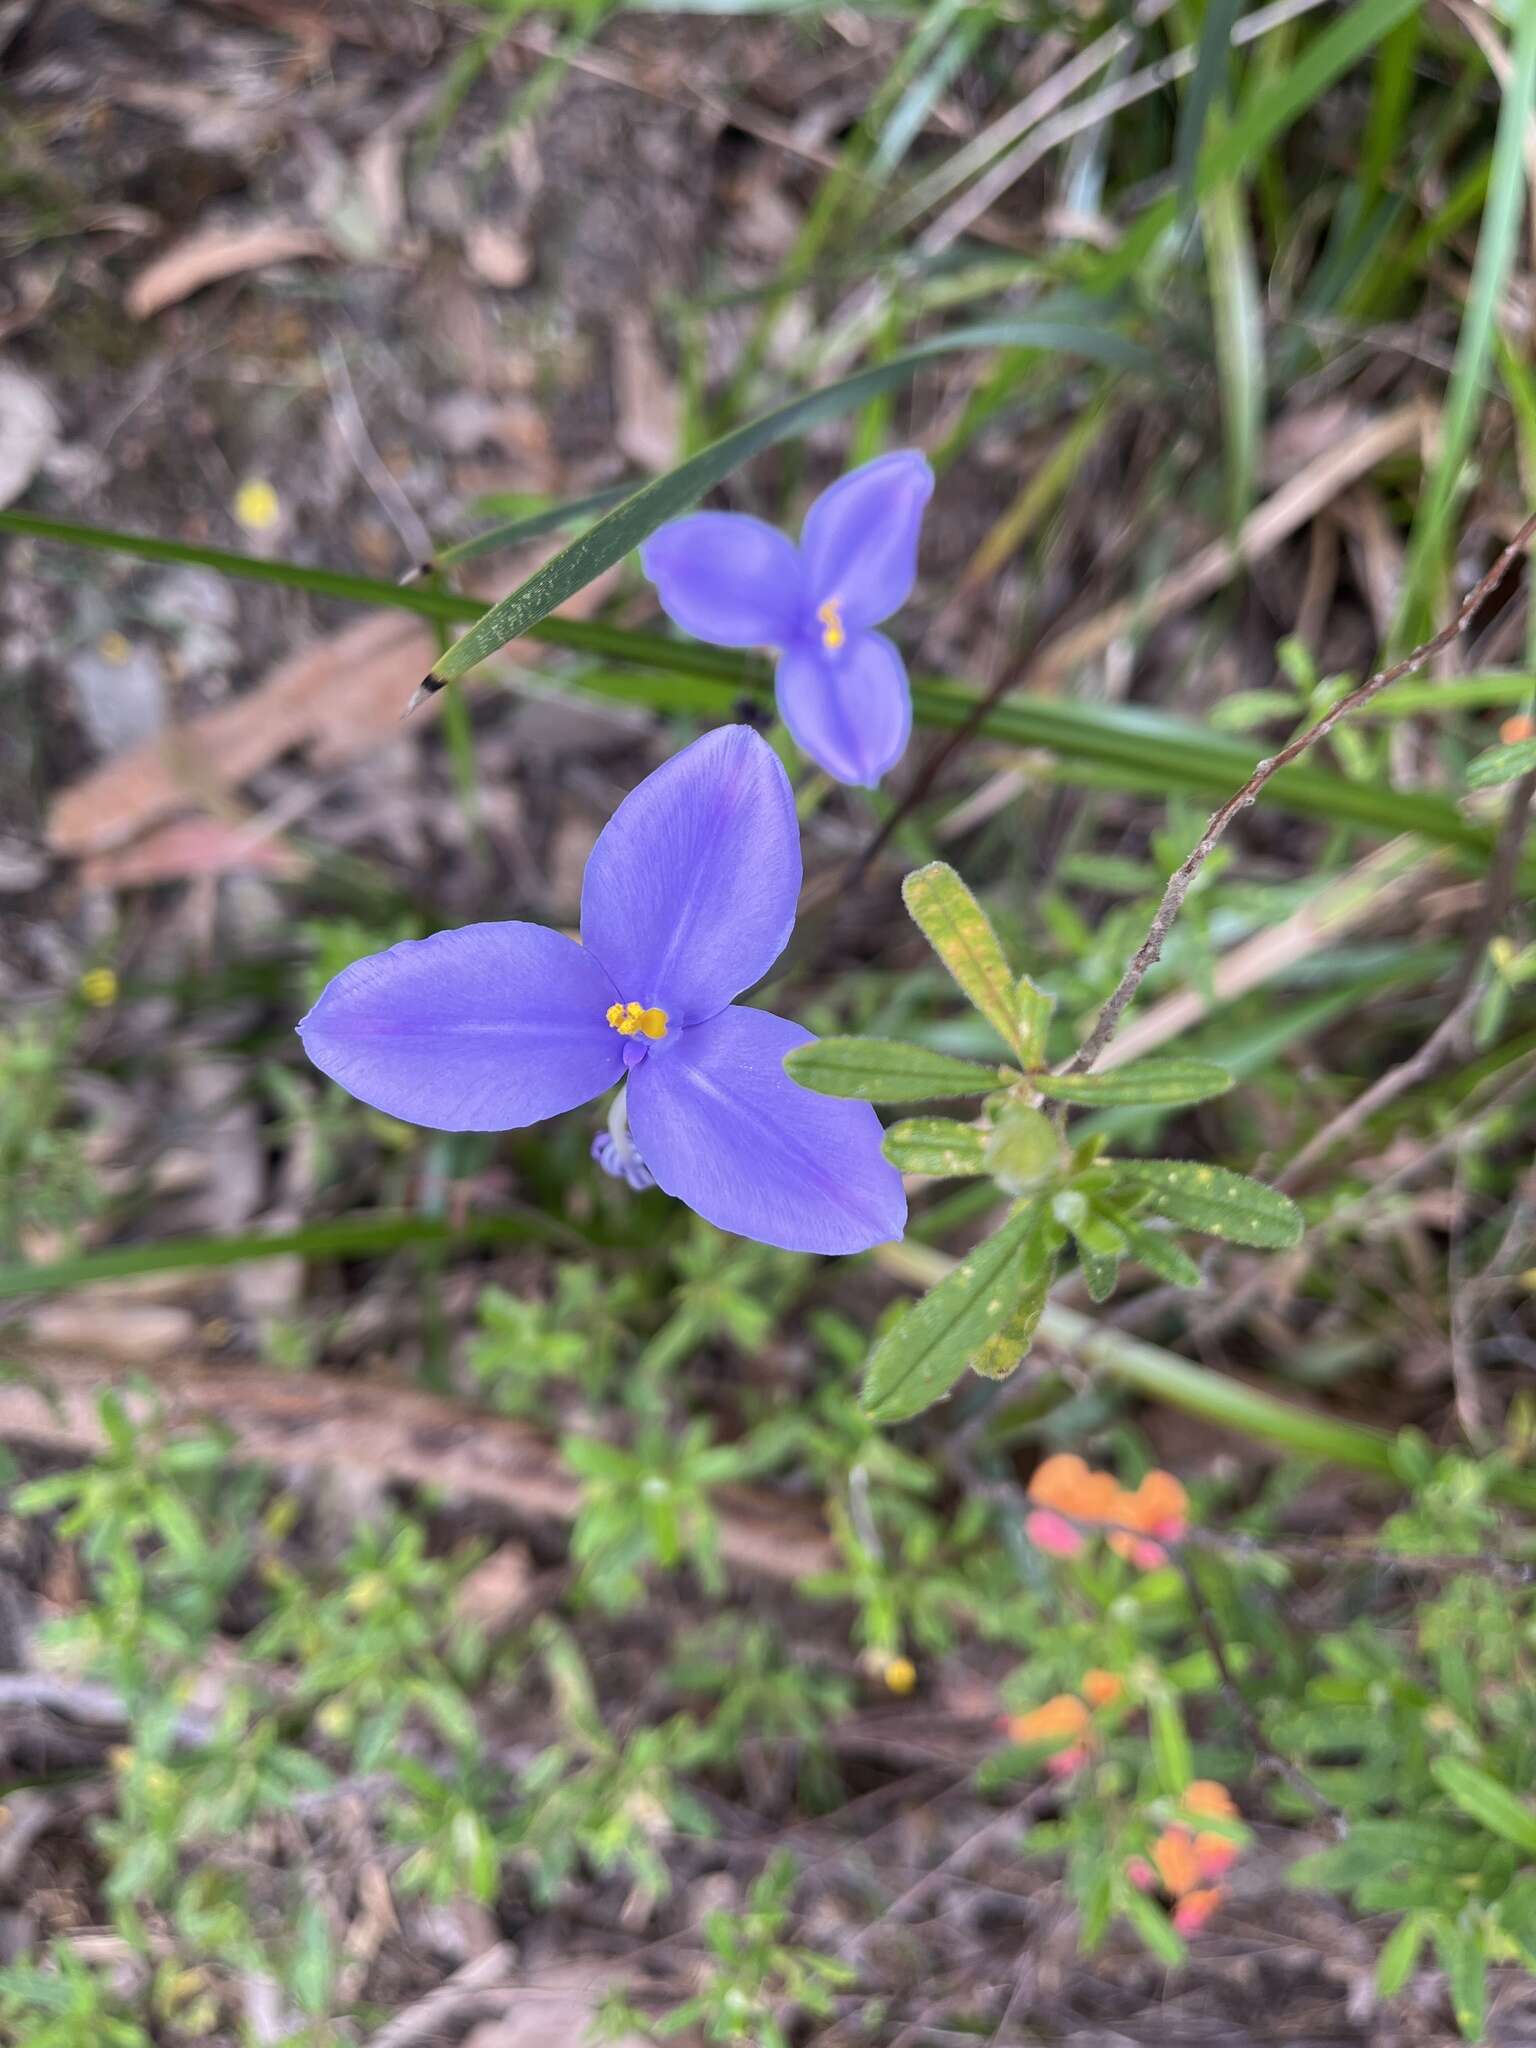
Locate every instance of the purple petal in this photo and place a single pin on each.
(850, 709)
(860, 539)
(475, 1030)
(724, 1129)
(690, 894)
(726, 578)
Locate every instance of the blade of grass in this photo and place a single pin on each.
(1426, 565)
(622, 529)
(1207, 90)
(1133, 747)
(348, 1237)
(1231, 273)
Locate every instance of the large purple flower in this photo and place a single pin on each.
(689, 898)
(732, 580)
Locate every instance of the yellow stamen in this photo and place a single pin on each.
(831, 617)
(629, 1018)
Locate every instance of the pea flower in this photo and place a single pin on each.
(737, 582)
(688, 898)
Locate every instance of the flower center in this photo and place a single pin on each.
(833, 631)
(629, 1018)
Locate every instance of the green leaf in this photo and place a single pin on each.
(1124, 746)
(1215, 1201)
(1466, 1972)
(1033, 1007)
(957, 928)
(1153, 1925)
(1171, 1754)
(1501, 764)
(1100, 1247)
(1006, 1349)
(1399, 1953)
(1159, 1254)
(885, 1070)
(918, 1361)
(1485, 1800)
(936, 1144)
(618, 531)
(1161, 1084)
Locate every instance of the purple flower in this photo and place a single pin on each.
(733, 580)
(689, 898)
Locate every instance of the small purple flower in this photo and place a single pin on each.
(688, 898)
(737, 582)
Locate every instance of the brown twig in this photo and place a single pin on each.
(1183, 879)
(395, 1432)
(1446, 1038)
(1270, 1758)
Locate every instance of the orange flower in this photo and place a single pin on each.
(1174, 1859)
(1194, 1909)
(1060, 1718)
(1158, 1507)
(1102, 1688)
(1520, 727)
(1067, 1492)
(1215, 1854)
(1064, 1721)
(1209, 1799)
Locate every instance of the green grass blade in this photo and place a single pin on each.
(346, 1237)
(1424, 570)
(1126, 747)
(1206, 90)
(1238, 318)
(665, 497)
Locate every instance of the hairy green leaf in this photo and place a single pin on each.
(936, 1144)
(885, 1070)
(1162, 1084)
(1485, 1800)
(957, 928)
(917, 1362)
(1213, 1200)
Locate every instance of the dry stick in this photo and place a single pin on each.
(1183, 880)
(1446, 1038)
(1270, 1757)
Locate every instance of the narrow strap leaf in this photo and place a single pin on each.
(613, 536)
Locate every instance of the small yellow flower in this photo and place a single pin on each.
(900, 1675)
(114, 648)
(257, 506)
(98, 987)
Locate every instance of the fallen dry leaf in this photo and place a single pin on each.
(211, 253)
(188, 849)
(553, 2009)
(374, 1428)
(107, 1327)
(337, 698)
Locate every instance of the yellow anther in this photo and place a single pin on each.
(629, 1018)
(831, 617)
